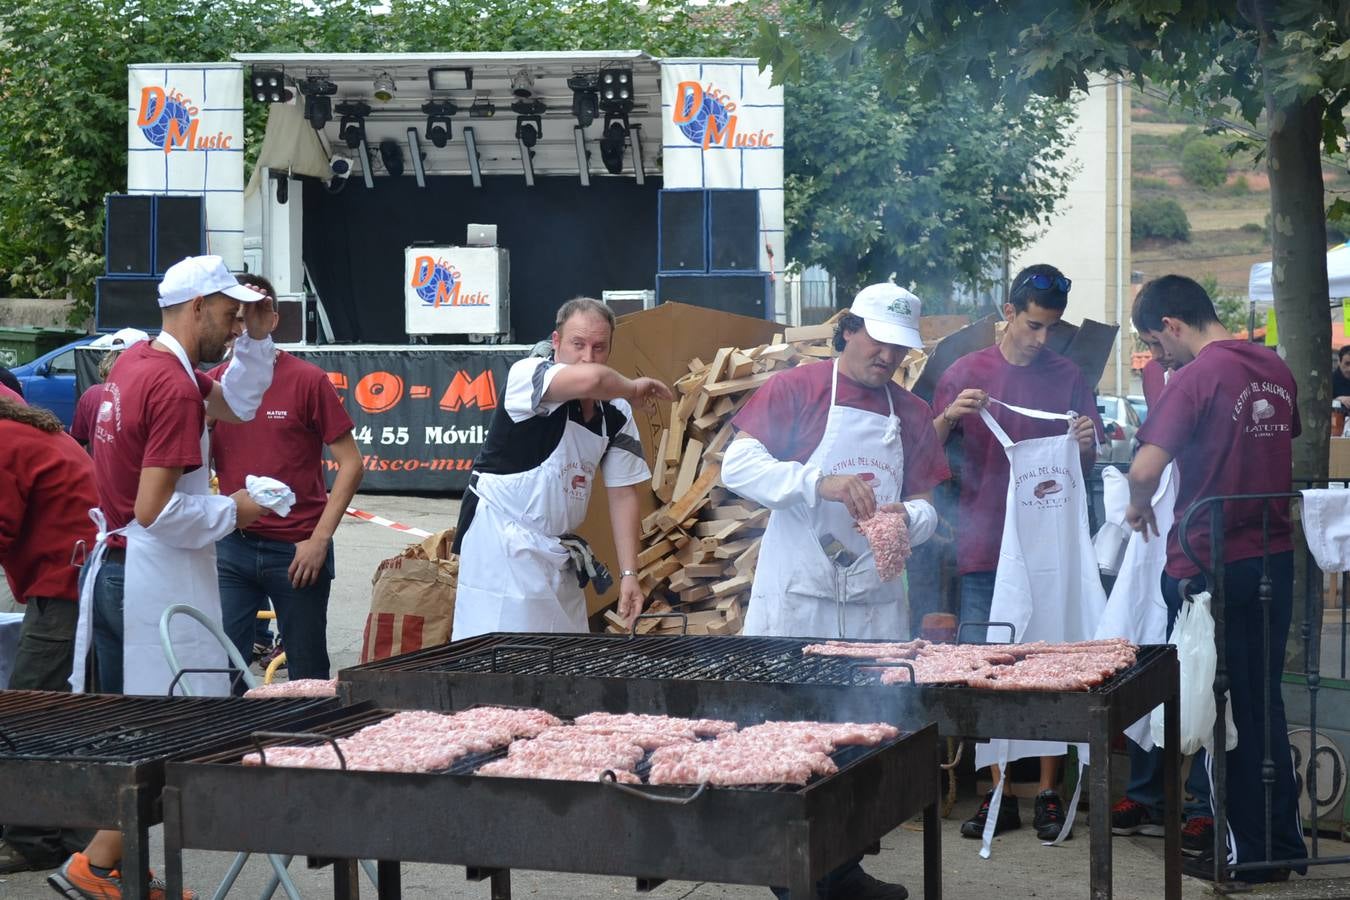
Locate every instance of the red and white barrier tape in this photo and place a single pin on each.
(387, 523)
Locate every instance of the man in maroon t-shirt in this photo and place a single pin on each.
(1229, 417)
(1020, 370)
(288, 560)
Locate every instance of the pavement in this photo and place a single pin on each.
(1020, 867)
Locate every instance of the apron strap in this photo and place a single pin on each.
(996, 428)
(995, 802)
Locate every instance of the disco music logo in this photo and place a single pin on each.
(169, 120)
(435, 281)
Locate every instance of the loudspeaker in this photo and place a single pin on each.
(179, 229)
(296, 319)
(746, 295)
(126, 303)
(733, 230)
(682, 217)
(128, 234)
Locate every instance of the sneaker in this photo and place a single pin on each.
(1201, 867)
(272, 653)
(1131, 817)
(1049, 816)
(12, 860)
(1008, 817)
(1197, 836)
(260, 650)
(75, 880)
(856, 884)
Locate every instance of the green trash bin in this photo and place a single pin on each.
(23, 345)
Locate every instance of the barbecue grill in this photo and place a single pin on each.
(769, 678)
(97, 760)
(778, 835)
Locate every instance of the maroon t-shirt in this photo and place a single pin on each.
(299, 414)
(9, 394)
(1050, 383)
(86, 410)
(1229, 418)
(1154, 377)
(787, 415)
(151, 415)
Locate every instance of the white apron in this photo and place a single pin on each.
(1136, 610)
(514, 575)
(158, 575)
(798, 591)
(84, 625)
(1047, 584)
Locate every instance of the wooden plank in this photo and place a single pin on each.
(731, 511)
(697, 493)
(718, 366)
(779, 353)
(719, 530)
(695, 364)
(740, 384)
(660, 549)
(652, 521)
(724, 406)
(719, 441)
(739, 364)
(693, 553)
(705, 570)
(675, 440)
(695, 594)
(615, 620)
(660, 570)
(689, 462)
(808, 333)
(732, 585)
(681, 581)
(732, 549)
(659, 472)
(708, 421)
(826, 352)
(745, 563)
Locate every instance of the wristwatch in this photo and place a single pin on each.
(626, 572)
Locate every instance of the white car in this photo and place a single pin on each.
(1121, 423)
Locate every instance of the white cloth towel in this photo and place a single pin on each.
(1326, 524)
(270, 493)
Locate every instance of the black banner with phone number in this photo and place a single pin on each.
(421, 415)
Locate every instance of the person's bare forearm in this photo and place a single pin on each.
(348, 479)
(626, 523)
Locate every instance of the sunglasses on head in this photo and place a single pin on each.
(1043, 282)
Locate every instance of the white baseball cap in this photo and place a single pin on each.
(890, 313)
(202, 276)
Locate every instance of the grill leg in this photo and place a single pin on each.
(346, 880)
(501, 884)
(173, 842)
(932, 850)
(390, 886)
(1099, 784)
(131, 803)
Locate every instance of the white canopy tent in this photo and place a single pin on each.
(1260, 290)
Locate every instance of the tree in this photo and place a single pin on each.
(1161, 217)
(1203, 164)
(1282, 66)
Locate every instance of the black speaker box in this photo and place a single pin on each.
(684, 230)
(129, 234)
(733, 230)
(295, 320)
(746, 295)
(179, 229)
(126, 303)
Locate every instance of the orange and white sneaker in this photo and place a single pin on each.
(75, 880)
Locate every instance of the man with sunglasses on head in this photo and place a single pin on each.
(1019, 370)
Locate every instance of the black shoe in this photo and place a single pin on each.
(1008, 817)
(858, 885)
(1131, 817)
(1201, 867)
(1049, 820)
(12, 861)
(1197, 836)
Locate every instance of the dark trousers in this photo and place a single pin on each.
(43, 663)
(253, 569)
(1252, 674)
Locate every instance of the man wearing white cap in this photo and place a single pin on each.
(825, 446)
(157, 546)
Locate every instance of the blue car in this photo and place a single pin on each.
(49, 380)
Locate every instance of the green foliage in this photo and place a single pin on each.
(1162, 217)
(1240, 187)
(1148, 183)
(1203, 165)
(1253, 228)
(1233, 311)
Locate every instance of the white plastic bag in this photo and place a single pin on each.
(1193, 636)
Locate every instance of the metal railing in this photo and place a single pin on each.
(1311, 635)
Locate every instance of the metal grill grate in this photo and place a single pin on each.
(112, 728)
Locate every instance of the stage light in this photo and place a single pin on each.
(415, 150)
(439, 114)
(639, 167)
(352, 125)
(385, 87)
(585, 99)
(450, 78)
(269, 86)
(529, 129)
(471, 148)
(522, 83)
(318, 91)
(391, 156)
(616, 92)
(366, 164)
(583, 155)
(340, 166)
(612, 147)
(482, 108)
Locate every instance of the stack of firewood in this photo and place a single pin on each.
(700, 547)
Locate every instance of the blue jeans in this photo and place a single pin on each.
(253, 569)
(1251, 675)
(108, 588)
(977, 596)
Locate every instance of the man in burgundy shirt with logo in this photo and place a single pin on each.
(1229, 417)
(288, 560)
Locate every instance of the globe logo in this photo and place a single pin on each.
(697, 124)
(157, 132)
(440, 284)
